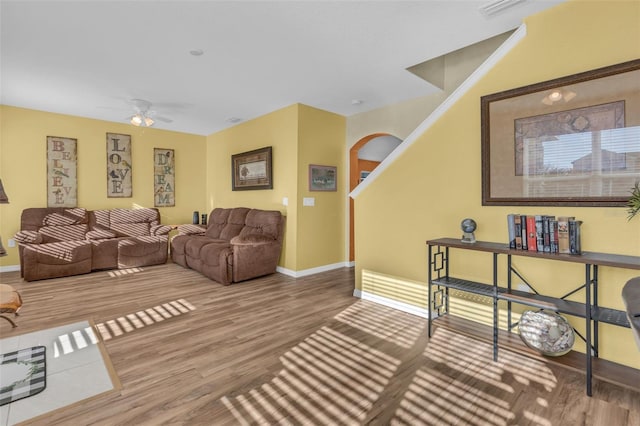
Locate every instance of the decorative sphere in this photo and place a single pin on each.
(546, 332)
(468, 225)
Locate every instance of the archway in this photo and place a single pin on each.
(379, 145)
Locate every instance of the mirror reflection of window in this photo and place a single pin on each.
(601, 163)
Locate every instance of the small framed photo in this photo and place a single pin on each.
(323, 178)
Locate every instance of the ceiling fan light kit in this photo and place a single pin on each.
(142, 117)
(558, 95)
(141, 120)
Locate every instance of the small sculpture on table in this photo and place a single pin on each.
(468, 226)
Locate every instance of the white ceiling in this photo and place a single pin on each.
(92, 58)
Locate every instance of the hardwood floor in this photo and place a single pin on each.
(295, 351)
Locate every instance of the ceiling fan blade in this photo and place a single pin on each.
(160, 118)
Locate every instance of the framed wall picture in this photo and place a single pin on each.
(62, 180)
(252, 170)
(119, 169)
(323, 178)
(164, 176)
(572, 141)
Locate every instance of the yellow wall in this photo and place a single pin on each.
(279, 130)
(23, 166)
(321, 229)
(437, 181)
(299, 135)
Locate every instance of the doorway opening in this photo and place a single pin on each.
(364, 156)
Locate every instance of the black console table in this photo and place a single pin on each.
(440, 282)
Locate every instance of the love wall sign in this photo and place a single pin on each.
(119, 181)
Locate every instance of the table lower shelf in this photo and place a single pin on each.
(604, 370)
(598, 313)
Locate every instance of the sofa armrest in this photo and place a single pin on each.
(254, 257)
(160, 230)
(28, 237)
(99, 235)
(252, 240)
(191, 229)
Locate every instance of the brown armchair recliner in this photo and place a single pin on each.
(238, 244)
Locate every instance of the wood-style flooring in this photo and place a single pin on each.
(279, 350)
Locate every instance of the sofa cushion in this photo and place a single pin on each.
(55, 223)
(104, 253)
(57, 259)
(217, 221)
(131, 229)
(195, 244)
(150, 216)
(100, 235)
(65, 217)
(235, 223)
(125, 222)
(142, 251)
(262, 222)
(99, 220)
(133, 223)
(52, 234)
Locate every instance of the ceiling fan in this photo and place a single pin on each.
(144, 116)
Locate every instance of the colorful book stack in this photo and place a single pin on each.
(543, 233)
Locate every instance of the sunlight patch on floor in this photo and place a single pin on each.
(130, 322)
(121, 272)
(464, 386)
(383, 322)
(329, 378)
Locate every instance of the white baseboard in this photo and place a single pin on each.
(10, 268)
(305, 272)
(401, 306)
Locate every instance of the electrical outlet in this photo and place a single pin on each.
(523, 287)
(12, 242)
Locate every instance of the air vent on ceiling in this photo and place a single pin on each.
(497, 6)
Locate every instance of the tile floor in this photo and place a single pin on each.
(75, 370)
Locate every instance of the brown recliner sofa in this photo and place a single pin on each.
(58, 242)
(237, 244)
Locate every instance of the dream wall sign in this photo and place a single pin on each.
(62, 180)
(119, 181)
(164, 175)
